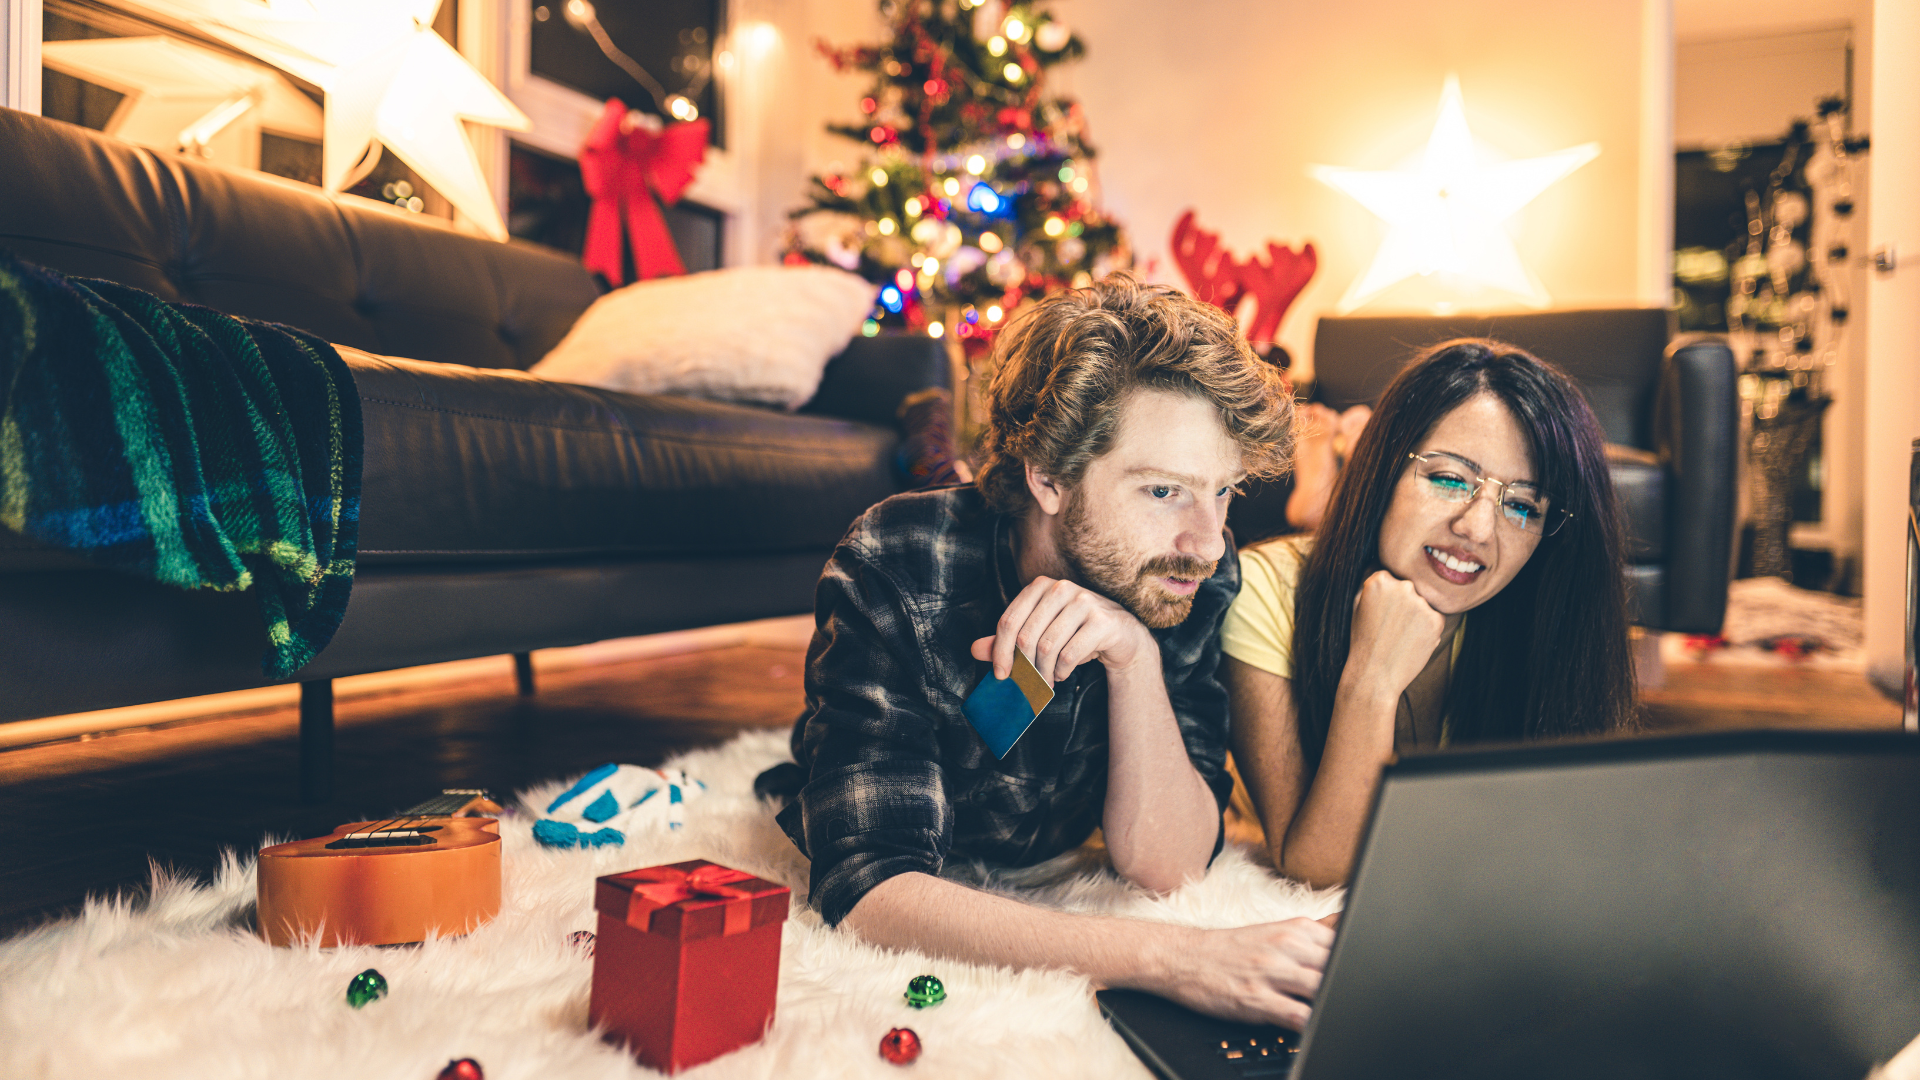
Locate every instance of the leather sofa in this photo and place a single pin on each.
(501, 513)
(1669, 408)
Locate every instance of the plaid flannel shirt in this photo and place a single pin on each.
(896, 776)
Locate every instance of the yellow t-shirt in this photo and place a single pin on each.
(1258, 630)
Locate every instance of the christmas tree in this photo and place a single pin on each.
(976, 188)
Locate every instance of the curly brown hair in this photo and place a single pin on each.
(1062, 368)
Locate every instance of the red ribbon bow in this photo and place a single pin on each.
(623, 166)
(659, 887)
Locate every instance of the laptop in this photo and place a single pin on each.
(1732, 905)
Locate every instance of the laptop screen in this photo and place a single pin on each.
(1731, 905)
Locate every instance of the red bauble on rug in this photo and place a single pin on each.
(900, 1046)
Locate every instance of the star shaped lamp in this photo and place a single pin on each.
(387, 76)
(183, 97)
(1444, 215)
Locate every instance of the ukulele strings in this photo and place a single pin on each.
(420, 813)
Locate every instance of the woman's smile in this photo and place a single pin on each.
(1453, 565)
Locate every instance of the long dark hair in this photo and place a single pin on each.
(1546, 657)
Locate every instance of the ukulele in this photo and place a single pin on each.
(435, 869)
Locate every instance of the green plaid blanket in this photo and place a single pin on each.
(181, 445)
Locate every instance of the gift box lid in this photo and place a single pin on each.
(690, 900)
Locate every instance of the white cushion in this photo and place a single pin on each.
(757, 333)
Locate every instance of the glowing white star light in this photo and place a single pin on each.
(1444, 216)
(387, 76)
(180, 96)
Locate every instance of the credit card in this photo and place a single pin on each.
(1002, 710)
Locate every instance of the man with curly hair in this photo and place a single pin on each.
(1094, 541)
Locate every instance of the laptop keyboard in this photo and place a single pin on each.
(1251, 1057)
(1177, 1043)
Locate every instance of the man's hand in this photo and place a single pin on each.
(1259, 974)
(1262, 974)
(1060, 626)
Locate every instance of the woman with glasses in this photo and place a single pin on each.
(1465, 586)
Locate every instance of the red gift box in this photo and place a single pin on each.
(686, 963)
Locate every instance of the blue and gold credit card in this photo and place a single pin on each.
(1002, 710)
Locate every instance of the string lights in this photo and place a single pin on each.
(976, 191)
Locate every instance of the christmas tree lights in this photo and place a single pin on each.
(975, 190)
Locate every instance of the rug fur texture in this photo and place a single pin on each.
(178, 985)
(1760, 610)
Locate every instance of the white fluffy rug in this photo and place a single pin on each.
(178, 985)
(1760, 610)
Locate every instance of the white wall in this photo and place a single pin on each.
(1220, 105)
(1893, 326)
(1749, 88)
(796, 93)
(20, 55)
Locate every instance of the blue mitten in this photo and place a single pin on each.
(612, 801)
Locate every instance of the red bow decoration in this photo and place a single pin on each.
(624, 165)
(659, 887)
(1219, 279)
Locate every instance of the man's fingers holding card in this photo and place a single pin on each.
(1051, 626)
(1058, 626)
(1007, 631)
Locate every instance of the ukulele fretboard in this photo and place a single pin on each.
(448, 802)
(410, 828)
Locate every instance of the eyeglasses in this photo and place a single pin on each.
(1522, 505)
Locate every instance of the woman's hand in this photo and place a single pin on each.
(1395, 633)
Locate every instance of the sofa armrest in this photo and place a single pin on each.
(872, 374)
(1697, 429)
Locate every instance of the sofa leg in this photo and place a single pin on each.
(316, 741)
(523, 673)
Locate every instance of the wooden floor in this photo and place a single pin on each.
(1709, 696)
(86, 816)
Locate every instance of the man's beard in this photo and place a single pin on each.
(1103, 562)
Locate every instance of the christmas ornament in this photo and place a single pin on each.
(924, 991)
(963, 262)
(987, 19)
(625, 164)
(367, 986)
(582, 940)
(901, 1046)
(1444, 215)
(1005, 270)
(462, 1069)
